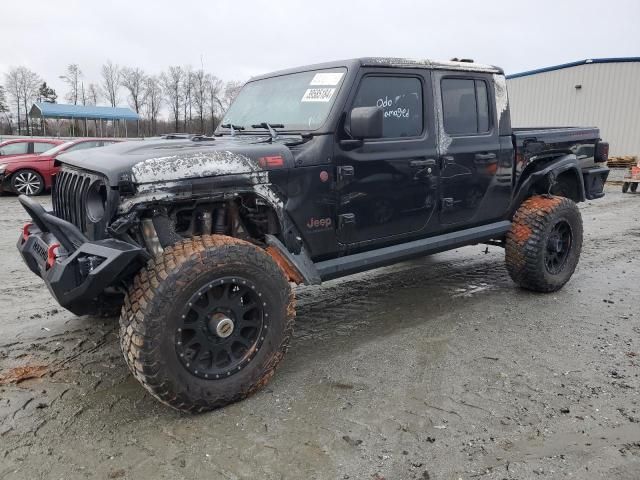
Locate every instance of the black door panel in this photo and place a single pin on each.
(391, 184)
(469, 151)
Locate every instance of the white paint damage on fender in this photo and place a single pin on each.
(502, 101)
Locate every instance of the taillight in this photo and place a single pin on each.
(52, 254)
(25, 231)
(602, 152)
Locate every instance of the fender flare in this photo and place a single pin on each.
(533, 174)
(299, 268)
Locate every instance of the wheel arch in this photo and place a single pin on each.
(279, 237)
(560, 175)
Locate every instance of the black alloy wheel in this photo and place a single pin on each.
(221, 328)
(558, 247)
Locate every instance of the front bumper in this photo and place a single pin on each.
(5, 183)
(80, 271)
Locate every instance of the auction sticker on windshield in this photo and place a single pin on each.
(318, 94)
(326, 78)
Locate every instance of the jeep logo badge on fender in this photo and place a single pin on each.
(319, 223)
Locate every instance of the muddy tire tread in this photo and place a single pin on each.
(140, 335)
(524, 240)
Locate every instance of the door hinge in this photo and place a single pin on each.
(346, 220)
(447, 203)
(347, 227)
(345, 175)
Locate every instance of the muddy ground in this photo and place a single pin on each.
(433, 369)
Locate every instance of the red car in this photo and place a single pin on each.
(32, 174)
(26, 146)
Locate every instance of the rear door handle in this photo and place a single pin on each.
(485, 156)
(423, 163)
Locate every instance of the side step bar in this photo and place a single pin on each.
(359, 262)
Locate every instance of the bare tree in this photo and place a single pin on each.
(93, 97)
(152, 101)
(200, 82)
(133, 79)
(4, 108)
(72, 79)
(214, 100)
(187, 97)
(23, 85)
(111, 82)
(12, 81)
(172, 85)
(93, 94)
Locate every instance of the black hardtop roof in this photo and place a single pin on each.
(389, 62)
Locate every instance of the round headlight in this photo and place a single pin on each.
(96, 201)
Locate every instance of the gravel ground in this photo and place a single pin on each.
(432, 369)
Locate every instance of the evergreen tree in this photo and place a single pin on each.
(47, 94)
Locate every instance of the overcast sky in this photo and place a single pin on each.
(238, 39)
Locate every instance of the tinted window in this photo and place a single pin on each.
(401, 100)
(483, 106)
(465, 105)
(39, 147)
(14, 149)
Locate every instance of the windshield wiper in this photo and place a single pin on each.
(271, 127)
(232, 127)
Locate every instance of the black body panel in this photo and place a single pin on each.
(70, 282)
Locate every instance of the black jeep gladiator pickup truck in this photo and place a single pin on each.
(314, 173)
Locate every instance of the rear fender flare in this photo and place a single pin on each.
(533, 174)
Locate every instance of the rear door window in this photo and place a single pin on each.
(19, 148)
(465, 106)
(401, 100)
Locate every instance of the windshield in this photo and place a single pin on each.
(56, 149)
(298, 101)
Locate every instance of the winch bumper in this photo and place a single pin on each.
(76, 270)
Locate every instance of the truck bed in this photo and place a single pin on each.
(531, 142)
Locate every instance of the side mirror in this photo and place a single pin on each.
(366, 122)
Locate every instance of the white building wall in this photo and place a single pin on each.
(609, 99)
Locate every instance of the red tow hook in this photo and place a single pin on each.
(52, 254)
(25, 231)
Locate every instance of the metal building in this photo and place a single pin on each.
(601, 92)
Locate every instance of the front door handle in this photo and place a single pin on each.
(423, 163)
(485, 156)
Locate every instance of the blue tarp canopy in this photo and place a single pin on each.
(57, 110)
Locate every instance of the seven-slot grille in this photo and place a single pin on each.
(69, 196)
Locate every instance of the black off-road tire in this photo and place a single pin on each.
(538, 254)
(625, 187)
(157, 299)
(634, 187)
